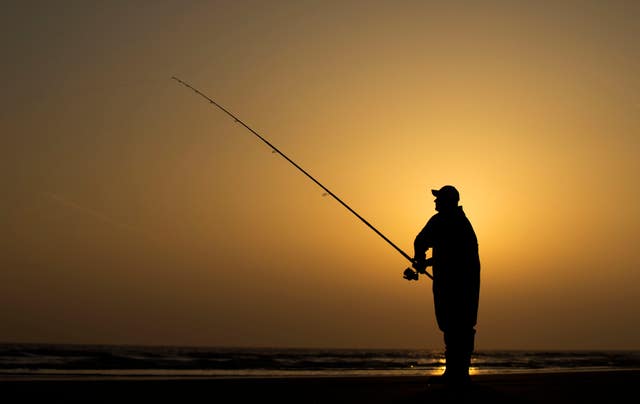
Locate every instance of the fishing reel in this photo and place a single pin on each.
(419, 267)
(410, 275)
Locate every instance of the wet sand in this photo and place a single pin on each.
(549, 388)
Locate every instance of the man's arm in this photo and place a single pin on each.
(421, 244)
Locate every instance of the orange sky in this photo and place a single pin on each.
(134, 212)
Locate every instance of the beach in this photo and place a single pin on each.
(539, 387)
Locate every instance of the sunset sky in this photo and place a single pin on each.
(134, 212)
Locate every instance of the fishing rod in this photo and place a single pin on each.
(409, 273)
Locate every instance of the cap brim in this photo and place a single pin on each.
(434, 192)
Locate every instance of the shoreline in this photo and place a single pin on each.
(610, 386)
(168, 375)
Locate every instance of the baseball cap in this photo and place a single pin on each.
(447, 192)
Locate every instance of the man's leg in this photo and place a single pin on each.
(459, 346)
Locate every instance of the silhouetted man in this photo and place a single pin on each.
(456, 280)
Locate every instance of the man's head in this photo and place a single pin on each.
(447, 197)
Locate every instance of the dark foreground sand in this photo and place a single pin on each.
(578, 387)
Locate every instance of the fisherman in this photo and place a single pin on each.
(456, 280)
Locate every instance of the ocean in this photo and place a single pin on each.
(174, 361)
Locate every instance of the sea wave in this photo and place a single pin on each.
(234, 362)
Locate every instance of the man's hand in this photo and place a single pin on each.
(420, 265)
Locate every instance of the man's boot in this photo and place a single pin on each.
(456, 372)
(448, 371)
